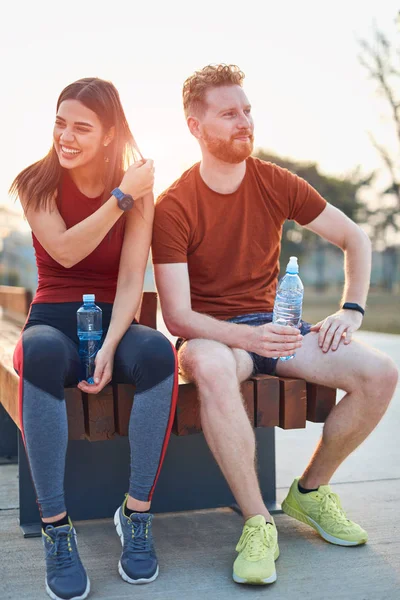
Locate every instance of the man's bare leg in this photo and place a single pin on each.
(368, 376)
(217, 371)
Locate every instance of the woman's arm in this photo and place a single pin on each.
(70, 246)
(134, 256)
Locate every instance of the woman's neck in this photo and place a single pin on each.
(88, 180)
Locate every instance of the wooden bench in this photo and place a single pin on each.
(190, 478)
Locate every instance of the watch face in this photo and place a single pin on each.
(126, 202)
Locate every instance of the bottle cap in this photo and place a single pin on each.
(292, 266)
(88, 298)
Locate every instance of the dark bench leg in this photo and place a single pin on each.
(8, 437)
(191, 479)
(265, 438)
(97, 476)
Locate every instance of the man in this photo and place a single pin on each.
(216, 244)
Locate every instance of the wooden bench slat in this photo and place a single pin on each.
(187, 416)
(320, 401)
(8, 378)
(267, 403)
(9, 391)
(99, 415)
(247, 389)
(293, 403)
(15, 302)
(76, 419)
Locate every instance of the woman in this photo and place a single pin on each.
(91, 226)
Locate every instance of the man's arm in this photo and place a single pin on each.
(335, 227)
(173, 285)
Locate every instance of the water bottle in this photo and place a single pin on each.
(289, 299)
(90, 329)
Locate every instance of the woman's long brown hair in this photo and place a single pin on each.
(39, 182)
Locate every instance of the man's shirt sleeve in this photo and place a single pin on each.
(305, 203)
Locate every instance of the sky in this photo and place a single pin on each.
(311, 98)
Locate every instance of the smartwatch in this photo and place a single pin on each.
(125, 201)
(353, 306)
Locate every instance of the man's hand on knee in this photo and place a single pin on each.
(337, 328)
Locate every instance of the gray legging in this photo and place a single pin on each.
(47, 360)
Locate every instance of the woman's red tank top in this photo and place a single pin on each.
(97, 273)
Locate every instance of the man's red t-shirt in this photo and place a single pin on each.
(231, 242)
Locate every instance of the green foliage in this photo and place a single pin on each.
(380, 59)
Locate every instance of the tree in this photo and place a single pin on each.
(380, 58)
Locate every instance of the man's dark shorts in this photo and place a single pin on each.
(262, 365)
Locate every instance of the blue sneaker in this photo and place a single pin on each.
(138, 563)
(66, 578)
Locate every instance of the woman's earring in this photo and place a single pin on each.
(106, 159)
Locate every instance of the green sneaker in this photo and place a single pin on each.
(323, 511)
(258, 550)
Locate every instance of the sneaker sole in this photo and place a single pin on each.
(121, 571)
(255, 580)
(292, 512)
(258, 580)
(55, 597)
(126, 578)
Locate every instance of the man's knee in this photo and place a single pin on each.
(391, 371)
(380, 370)
(387, 376)
(207, 362)
(378, 381)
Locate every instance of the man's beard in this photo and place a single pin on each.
(231, 151)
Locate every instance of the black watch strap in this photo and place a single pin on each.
(353, 306)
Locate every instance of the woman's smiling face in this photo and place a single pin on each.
(78, 136)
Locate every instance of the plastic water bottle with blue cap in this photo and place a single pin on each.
(289, 299)
(90, 330)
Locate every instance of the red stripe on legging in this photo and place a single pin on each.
(170, 422)
(18, 362)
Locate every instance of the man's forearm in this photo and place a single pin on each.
(193, 325)
(357, 266)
